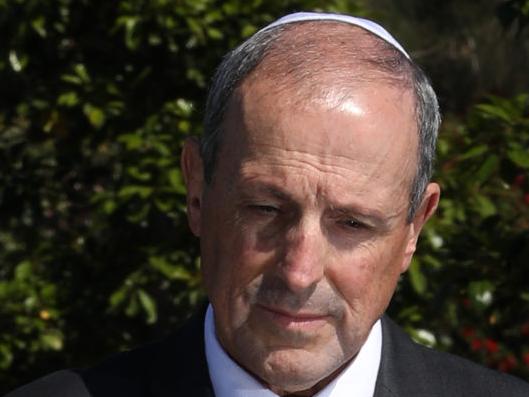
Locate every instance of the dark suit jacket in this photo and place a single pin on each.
(177, 367)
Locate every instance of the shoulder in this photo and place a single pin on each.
(66, 383)
(122, 374)
(460, 376)
(413, 369)
(175, 363)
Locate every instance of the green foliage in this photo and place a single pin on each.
(467, 285)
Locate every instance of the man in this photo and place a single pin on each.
(308, 193)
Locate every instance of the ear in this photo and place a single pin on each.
(424, 212)
(193, 171)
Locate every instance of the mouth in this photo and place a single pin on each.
(294, 320)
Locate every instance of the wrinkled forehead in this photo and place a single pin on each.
(373, 128)
(323, 64)
(327, 65)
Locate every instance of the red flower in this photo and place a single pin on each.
(524, 329)
(508, 363)
(526, 198)
(476, 344)
(491, 345)
(526, 358)
(518, 180)
(469, 332)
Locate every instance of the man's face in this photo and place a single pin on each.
(303, 229)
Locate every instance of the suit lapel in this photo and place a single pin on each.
(181, 368)
(403, 371)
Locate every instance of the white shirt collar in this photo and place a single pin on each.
(230, 380)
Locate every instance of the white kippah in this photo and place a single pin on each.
(366, 24)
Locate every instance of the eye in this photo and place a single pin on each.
(352, 224)
(264, 208)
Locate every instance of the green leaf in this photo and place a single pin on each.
(489, 166)
(149, 306)
(51, 122)
(68, 99)
(118, 297)
(520, 157)
(215, 34)
(109, 206)
(248, 30)
(6, 356)
(495, 111)
(169, 270)
(484, 206)
(135, 190)
(131, 141)
(164, 205)
(130, 23)
(95, 116)
(52, 340)
(38, 24)
(138, 174)
(184, 107)
(72, 79)
(24, 270)
(80, 70)
(176, 181)
(474, 152)
(417, 278)
(133, 307)
(140, 215)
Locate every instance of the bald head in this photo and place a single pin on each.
(315, 60)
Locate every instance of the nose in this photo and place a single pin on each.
(303, 262)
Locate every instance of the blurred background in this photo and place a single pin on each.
(96, 98)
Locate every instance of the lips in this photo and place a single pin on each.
(294, 320)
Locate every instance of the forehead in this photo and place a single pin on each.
(325, 61)
(372, 130)
(383, 108)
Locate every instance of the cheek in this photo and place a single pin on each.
(352, 279)
(232, 262)
(367, 277)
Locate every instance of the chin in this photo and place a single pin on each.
(290, 370)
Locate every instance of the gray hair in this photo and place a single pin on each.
(383, 57)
